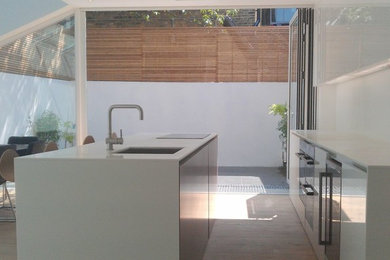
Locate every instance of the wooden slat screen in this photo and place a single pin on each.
(192, 54)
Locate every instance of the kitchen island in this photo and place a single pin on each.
(88, 203)
(345, 211)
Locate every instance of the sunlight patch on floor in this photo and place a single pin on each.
(232, 206)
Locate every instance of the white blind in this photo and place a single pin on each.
(45, 53)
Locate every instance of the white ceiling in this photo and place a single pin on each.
(197, 4)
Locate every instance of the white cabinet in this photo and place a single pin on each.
(364, 208)
(294, 177)
(311, 229)
(378, 213)
(353, 212)
(353, 203)
(348, 39)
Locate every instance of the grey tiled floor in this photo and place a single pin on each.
(257, 180)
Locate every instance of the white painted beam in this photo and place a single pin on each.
(200, 4)
(187, 4)
(81, 75)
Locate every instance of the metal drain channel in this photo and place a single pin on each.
(251, 188)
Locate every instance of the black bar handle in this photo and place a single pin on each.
(308, 189)
(310, 162)
(330, 207)
(320, 240)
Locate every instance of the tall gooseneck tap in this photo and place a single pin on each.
(110, 141)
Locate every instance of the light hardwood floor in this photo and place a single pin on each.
(249, 227)
(257, 227)
(7, 241)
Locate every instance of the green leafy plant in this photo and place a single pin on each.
(204, 17)
(280, 110)
(46, 127)
(212, 17)
(68, 132)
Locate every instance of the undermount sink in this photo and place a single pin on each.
(183, 136)
(151, 150)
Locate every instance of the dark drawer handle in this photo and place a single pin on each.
(308, 190)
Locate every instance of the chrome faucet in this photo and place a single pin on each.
(110, 140)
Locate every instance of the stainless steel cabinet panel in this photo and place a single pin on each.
(194, 206)
(320, 166)
(332, 206)
(213, 175)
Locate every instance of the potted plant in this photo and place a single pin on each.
(281, 110)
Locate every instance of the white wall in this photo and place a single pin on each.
(359, 105)
(238, 112)
(22, 97)
(16, 13)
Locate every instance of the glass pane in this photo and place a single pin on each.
(37, 86)
(171, 70)
(284, 15)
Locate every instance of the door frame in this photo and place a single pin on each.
(292, 21)
(306, 94)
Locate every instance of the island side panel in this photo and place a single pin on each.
(97, 209)
(378, 213)
(194, 205)
(213, 181)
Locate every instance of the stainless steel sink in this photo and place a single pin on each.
(151, 150)
(183, 136)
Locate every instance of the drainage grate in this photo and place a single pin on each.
(253, 188)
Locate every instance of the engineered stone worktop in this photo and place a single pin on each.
(98, 150)
(361, 149)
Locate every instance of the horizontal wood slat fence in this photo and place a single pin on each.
(192, 54)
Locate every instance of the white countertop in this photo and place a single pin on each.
(98, 150)
(358, 148)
